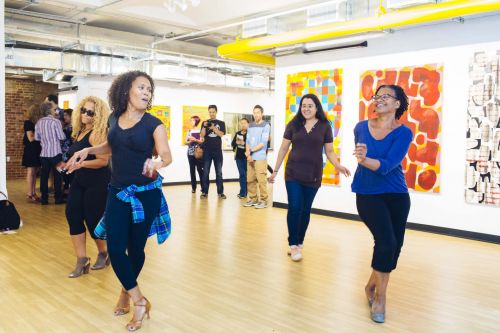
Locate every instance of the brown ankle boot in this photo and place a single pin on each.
(102, 261)
(82, 267)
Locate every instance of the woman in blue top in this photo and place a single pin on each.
(382, 196)
(135, 202)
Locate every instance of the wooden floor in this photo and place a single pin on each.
(225, 269)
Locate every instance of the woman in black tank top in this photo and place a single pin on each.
(133, 135)
(88, 191)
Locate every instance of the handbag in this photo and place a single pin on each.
(9, 217)
(198, 152)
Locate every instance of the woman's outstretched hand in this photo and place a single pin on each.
(75, 162)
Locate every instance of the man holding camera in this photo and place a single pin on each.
(212, 132)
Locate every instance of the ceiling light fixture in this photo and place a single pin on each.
(332, 43)
(172, 5)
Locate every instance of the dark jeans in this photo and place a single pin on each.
(195, 165)
(217, 158)
(300, 199)
(385, 215)
(241, 163)
(48, 165)
(127, 240)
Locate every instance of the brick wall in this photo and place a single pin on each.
(19, 95)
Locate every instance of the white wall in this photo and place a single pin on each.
(3, 165)
(175, 96)
(451, 44)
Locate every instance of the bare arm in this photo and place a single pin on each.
(285, 146)
(332, 157)
(161, 145)
(75, 162)
(30, 135)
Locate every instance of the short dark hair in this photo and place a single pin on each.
(53, 98)
(259, 107)
(400, 96)
(245, 119)
(68, 111)
(213, 106)
(118, 94)
(299, 119)
(196, 120)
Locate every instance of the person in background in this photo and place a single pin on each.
(48, 131)
(256, 152)
(65, 145)
(54, 102)
(382, 197)
(31, 151)
(239, 148)
(136, 207)
(89, 188)
(193, 139)
(211, 133)
(309, 132)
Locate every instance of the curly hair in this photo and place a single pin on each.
(100, 129)
(118, 94)
(34, 113)
(400, 96)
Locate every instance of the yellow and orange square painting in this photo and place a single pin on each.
(327, 85)
(423, 86)
(189, 111)
(162, 112)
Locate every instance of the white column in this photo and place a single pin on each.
(3, 166)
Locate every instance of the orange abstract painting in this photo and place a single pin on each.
(423, 85)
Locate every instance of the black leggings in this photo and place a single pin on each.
(385, 215)
(127, 240)
(85, 206)
(195, 165)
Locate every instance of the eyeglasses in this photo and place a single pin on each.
(87, 112)
(383, 97)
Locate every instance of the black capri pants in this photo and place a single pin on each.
(385, 215)
(85, 205)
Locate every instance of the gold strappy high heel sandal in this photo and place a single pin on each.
(122, 310)
(135, 325)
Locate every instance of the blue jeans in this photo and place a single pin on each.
(217, 158)
(300, 199)
(241, 163)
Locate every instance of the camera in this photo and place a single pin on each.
(209, 123)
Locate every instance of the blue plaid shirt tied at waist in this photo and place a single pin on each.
(161, 225)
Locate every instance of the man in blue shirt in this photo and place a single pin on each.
(256, 147)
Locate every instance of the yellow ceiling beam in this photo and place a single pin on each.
(244, 49)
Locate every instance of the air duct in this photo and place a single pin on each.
(245, 49)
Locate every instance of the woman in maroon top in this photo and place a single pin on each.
(308, 133)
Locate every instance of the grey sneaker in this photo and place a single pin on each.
(222, 196)
(261, 205)
(250, 203)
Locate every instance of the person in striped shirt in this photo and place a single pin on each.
(48, 130)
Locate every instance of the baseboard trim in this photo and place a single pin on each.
(477, 236)
(189, 183)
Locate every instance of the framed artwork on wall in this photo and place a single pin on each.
(423, 86)
(482, 175)
(232, 121)
(327, 85)
(189, 111)
(162, 112)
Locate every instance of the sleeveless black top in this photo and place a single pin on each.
(85, 176)
(131, 148)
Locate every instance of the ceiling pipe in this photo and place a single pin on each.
(244, 50)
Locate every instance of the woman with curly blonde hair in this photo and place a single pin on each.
(88, 190)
